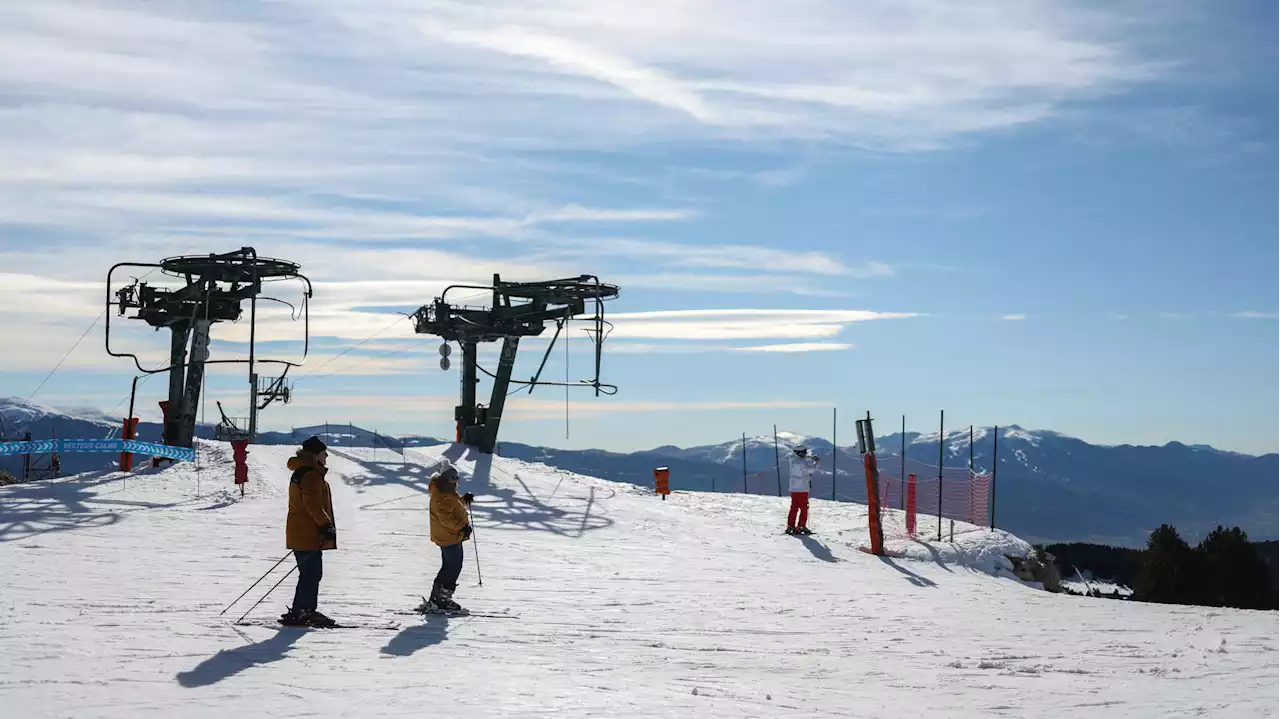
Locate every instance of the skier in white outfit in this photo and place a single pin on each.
(802, 466)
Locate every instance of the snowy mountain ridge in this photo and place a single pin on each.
(16, 412)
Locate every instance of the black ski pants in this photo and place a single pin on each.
(450, 568)
(310, 570)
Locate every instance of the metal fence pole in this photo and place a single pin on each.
(942, 423)
(835, 450)
(902, 497)
(777, 461)
(995, 465)
(971, 517)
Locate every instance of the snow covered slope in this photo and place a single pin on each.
(628, 607)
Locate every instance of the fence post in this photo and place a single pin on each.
(971, 517)
(835, 450)
(910, 501)
(902, 475)
(777, 461)
(995, 465)
(942, 423)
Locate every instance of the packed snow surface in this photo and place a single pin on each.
(627, 606)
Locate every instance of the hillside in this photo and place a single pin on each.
(1050, 487)
(626, 606)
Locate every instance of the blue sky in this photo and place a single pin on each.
(1056, 215)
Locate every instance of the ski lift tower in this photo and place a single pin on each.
(517, 309)
(214, 290)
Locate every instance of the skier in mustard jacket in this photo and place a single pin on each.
(450, 527)
(309, 530)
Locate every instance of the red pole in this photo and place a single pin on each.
(129, 431)
(873, 503)
(164, 410)
(911, 504)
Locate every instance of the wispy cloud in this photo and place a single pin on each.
(1255, 315)
(1013, 317)
(388, 407)
(727, 257)
(700, 348)
(392, 147)
(577, 213)
(797, 347)
(581, 58)
(753, 284)
(926, 71)
(742, 324)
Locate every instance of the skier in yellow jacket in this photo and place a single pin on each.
(309, 530)
(450, 527)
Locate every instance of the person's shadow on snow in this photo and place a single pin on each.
(229, 662)
(418, 636)
(818, 549)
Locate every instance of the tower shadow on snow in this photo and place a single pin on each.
(35, 508)
(933, 552)
(420, 636)
(229, 662)
(495, 508)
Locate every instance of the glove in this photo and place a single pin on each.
(329, 533)
(466, 533)
(468, 498)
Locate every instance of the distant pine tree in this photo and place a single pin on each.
(1167, 575)
(1235, 574)
(1119, 564)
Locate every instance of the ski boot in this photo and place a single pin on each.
(317, 619)
(293, 618)
(445, 604)
(791, 531)
(804, 531)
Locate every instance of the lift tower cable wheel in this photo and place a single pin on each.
(215, 286)
(518, 309)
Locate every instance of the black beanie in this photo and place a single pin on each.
(313, 445)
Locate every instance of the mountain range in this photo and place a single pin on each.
(1050, 487)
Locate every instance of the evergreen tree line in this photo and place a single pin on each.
(1223, 570)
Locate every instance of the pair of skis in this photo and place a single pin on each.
(388, 625)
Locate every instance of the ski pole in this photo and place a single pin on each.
(273, 587)
(476, 544)
(251, 586)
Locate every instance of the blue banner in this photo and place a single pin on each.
(181, 454)
(42, 447)
(69, 446)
